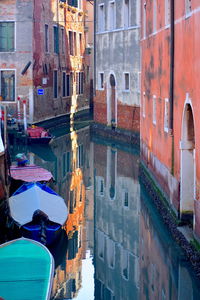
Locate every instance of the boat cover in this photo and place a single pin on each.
(33, 196)
(27, 269)
(30, 173)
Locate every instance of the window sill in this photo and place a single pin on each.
(126, 91)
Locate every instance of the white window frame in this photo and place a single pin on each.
(124, 82)
(139, 82)
(15, 32)
(166, 115)
(126, 14)
(101, 17)
(154, 15)
(154, 109)
(112, 26)
(144, 105)
(144, 20)
(188, 8)
(15, 83)
(167, 13)
(100, 82)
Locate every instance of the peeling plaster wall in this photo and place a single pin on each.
(118, 51)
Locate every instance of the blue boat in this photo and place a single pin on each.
(38, 211)
(27, 269)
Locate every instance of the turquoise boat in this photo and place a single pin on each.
(26, 270)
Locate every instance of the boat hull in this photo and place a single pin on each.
(27, 269)
(40, 140)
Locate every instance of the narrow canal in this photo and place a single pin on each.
(114, 245)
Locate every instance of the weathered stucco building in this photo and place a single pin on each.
(170, 110)
(117, 63)
(42, 56)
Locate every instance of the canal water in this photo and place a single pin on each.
(114, 245)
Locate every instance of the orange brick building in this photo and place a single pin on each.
(170, 110)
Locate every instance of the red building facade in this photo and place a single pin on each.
(170, 92)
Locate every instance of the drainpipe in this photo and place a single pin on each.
(171, 123)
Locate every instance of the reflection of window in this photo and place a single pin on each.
(7, 85)
(101, 244)
(68, 162)
(7, 33)
(124, 264)
(80, 156)
(126, 199)
(110, 253)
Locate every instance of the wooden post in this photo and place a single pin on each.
(18, 112)
(5, 126)
(25, 119)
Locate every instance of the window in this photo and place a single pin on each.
(7, 85)
(62, 39)
(166, 116)
(75, 3)
(56, 39)
(144, 105)
(75, 44)
(126, 13)
(55, 84)
(79, 83)
(66, 92)
(144, 21)
(112, 15)
(7, 36)
(71, 48)
(188, 6)
(126, 82)
(167, 12)
(154, 15)
(154, 110)
(80, 44)
(101, 81)
(46, 38)
(101, 23)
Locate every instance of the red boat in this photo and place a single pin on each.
(38, 135)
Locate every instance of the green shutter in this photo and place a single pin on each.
(6, 36)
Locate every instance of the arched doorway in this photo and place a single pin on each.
(111, 102)
(188, 176)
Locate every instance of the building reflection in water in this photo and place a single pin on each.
(117, 204)
(134, 256)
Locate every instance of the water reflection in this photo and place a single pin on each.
(114, 245)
